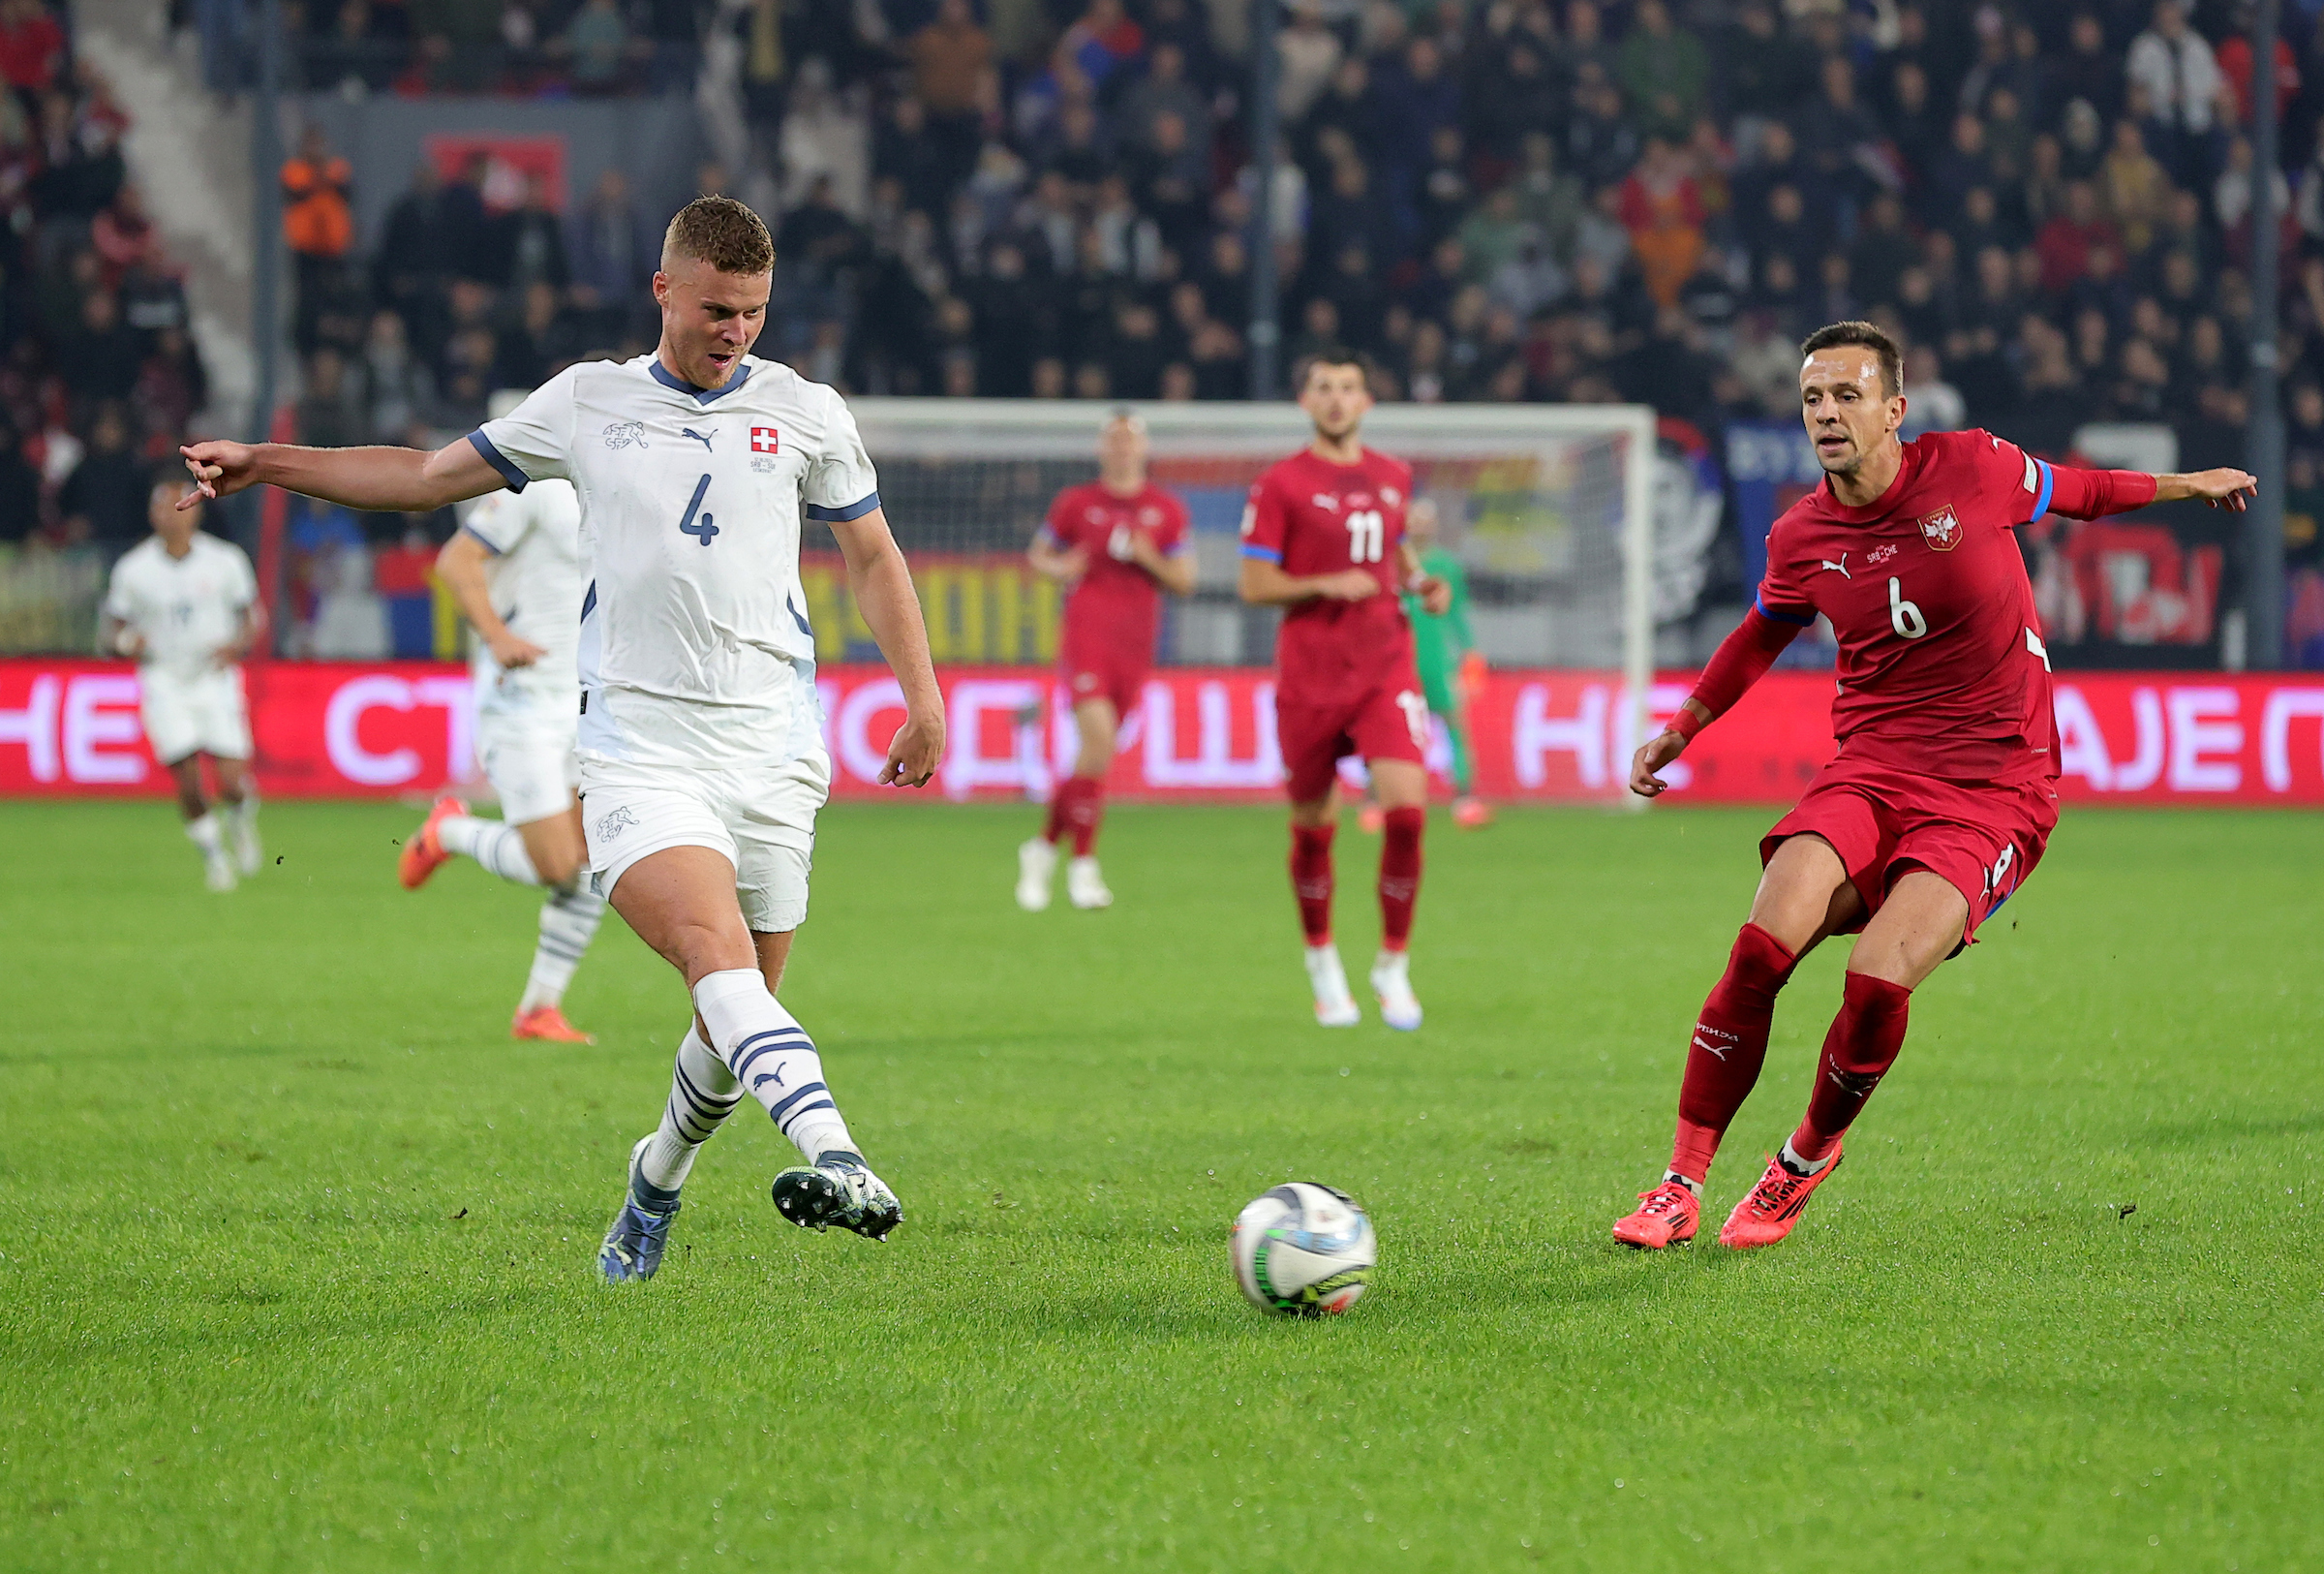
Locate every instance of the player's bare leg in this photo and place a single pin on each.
(1804, 895)
(1402, 790)
(202, 827)
(1917, 927)
(681, 902)
(1077, 806)
(1314, 821)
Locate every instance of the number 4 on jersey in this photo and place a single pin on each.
(701, 529)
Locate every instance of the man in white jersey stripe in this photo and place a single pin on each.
(514, 566)
(702, 759)
(186, 606)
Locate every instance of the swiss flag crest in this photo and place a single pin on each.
(1941, 530)
(763, 440)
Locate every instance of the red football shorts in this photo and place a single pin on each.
(1883, 820)
(1390, 722)
(1093, 672)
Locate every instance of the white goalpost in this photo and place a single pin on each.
(1548, 507)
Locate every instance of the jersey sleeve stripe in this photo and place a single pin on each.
(589, 603)
(481, 539)
(1767, 611)
(840, 516)
(1252, 550)
(516, 478)
(2042, 501)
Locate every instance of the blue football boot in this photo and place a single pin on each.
(640, 1233)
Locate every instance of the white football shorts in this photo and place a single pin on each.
(761, 818)
(528, 759)
(199, 714)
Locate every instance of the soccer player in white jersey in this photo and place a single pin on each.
(514, 566)
(702, 758)
(184, 605)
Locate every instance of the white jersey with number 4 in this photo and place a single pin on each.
(535, 582)
(695, 643)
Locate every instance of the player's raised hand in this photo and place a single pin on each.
(1652, 755)
(1347, 585)
(220, 469)
(2229, 489)
(914, 753)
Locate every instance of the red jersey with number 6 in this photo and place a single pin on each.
(1316, 517)
(1116, 607)
(1942, 666)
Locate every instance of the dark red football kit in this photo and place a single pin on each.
(1946, 760)
(1345, 678)
(1115, 612)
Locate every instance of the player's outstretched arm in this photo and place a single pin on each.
(375, 479)
(2094, 494)
(460, 565)
(1741, 659)
(882, 587)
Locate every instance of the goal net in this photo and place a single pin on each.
(1548, 507)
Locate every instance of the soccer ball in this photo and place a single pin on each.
(1303, 1249)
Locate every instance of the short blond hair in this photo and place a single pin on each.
(722, 232)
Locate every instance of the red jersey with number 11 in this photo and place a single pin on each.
(1315, 517)
(1942, 666)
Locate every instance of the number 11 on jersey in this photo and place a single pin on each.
(1368, 535)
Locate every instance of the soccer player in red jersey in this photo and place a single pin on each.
(1118, 542)
(1943, 790)
(1323, 538)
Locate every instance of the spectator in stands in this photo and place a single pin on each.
(318, 224)
(1664, 72)
(32, 47)
(100, 361)
(103, 498)
(613, 248)
(1662, 208)
(599, 44)
(526, 245)
(2174, 67)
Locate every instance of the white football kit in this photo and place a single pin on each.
(187, 610)
(698, 723)
(527, 716)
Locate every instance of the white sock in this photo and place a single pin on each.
(208, 834)
(1800, 1166)
(703, 1092)
(246, 812)
(771, 1056)
(568, 921)
(494, 843)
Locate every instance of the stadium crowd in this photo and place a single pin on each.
(2047, 201)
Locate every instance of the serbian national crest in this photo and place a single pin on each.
(1941, 530)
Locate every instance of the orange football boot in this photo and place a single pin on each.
(422, 853)
(1666, 1215)
(1472, 814)
(548, 1022)
(1769, 1210)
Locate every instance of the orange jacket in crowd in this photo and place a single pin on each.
(317, 220)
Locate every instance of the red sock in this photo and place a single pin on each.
(1083, 813)
(1311, 880)
(1728, 1046)
(1399, 874)
(1857, 1053)
(1060, 809)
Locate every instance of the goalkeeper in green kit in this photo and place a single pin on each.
(1450, 667)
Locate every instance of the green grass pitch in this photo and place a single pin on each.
(297, 1265)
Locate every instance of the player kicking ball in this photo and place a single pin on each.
(702, 759)
(1323, 538)
(1943, 791)
(514, 568)
(185, 606)
(1118, 543)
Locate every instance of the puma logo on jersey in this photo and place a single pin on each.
(702, 437)
(1324, 499)
(1706, 1045)
(1841, 567)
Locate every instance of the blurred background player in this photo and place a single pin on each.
(185, 606)
(1943, 791)
(1450, 667)
(1323, 538)
(515, 570)
(1118, 543)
